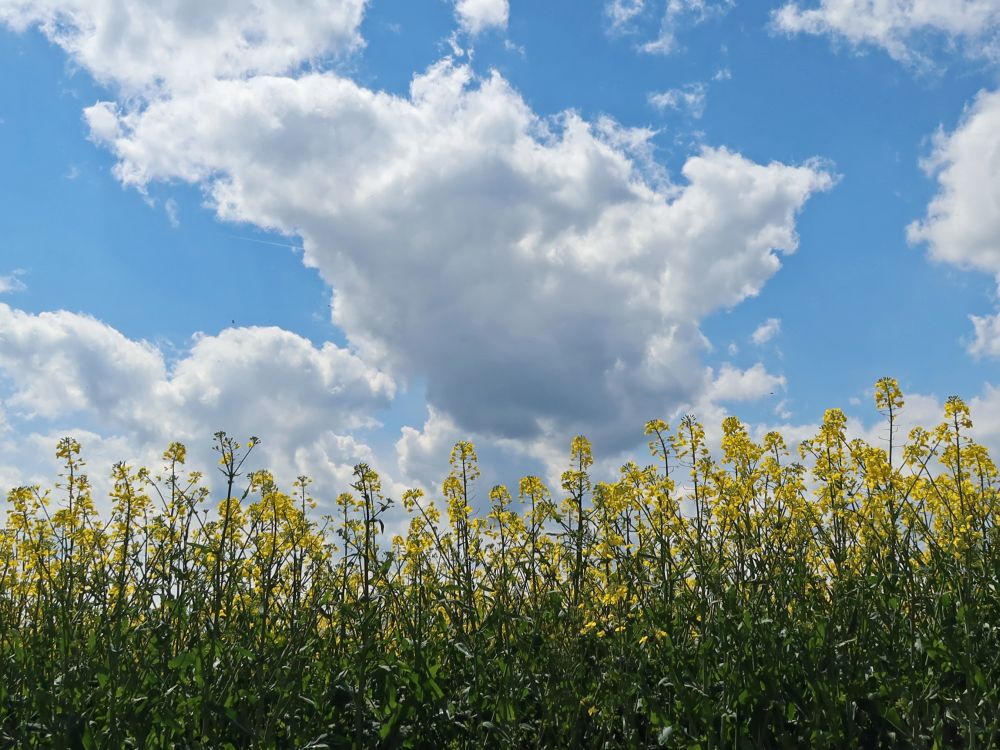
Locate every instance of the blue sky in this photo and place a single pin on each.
(536, 218)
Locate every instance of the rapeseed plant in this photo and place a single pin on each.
(844, 597)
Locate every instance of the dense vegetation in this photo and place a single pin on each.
(739, 599)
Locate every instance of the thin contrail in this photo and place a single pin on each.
(264, 242)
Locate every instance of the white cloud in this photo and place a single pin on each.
(985, 410)
(632, 16)
(60, 362)
(962, 225)
(475, 16)
(782, 410)
(523, 266)
(690, 99)
(170, 209)
(766, 331)
(542, 276)
(986, 336)
(422, 454)
(896, 25)
(678, 13)
(29, 458)
(143, 44)
(275, 382)
(620, 13)
(12, 282)
(733, 384)
(304, 401)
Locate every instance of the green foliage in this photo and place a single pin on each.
(745, 599)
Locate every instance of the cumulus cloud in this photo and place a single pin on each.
(144, 44)
(962, 225)
(60, 362)
(897, 26)
(422, 453)
(542, 275)
(525, 267)
(29, 458)
(766, 331)
(733, 384)
(986, 336)
(303, 400)
(689, 99)
(275, 382)
(475, 16)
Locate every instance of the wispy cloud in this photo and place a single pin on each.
(690, 99)
(12, 282)
(633, 16)
(766, 331)
(899, 26)
(621, 12)
(170, 207)
(680, 13)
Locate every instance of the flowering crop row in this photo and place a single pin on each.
(845, 596)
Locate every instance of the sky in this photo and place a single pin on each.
(365, 229)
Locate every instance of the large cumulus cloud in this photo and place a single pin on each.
(541, 275)
(528, 268)
(64, 369)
